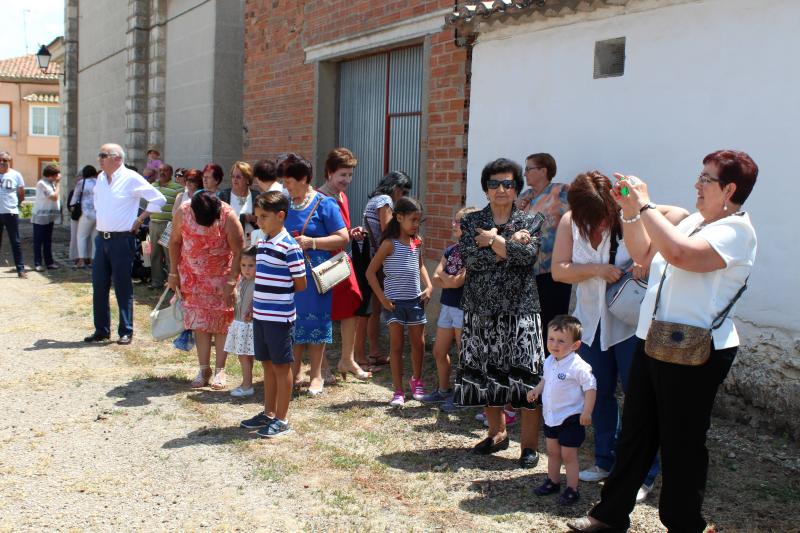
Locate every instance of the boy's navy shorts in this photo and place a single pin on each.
(569, 433)
(272, 341)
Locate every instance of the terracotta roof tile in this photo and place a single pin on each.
(475, 11)
(26, 68)
(41, 98)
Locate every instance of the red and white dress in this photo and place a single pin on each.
(204, 268)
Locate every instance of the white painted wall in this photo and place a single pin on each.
(699, 76)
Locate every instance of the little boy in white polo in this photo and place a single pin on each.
(568, 391)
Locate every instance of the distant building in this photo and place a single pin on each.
(29, 115)
(162, 74)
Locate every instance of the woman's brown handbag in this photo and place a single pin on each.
(682, 344)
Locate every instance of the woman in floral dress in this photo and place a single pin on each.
(205, 248)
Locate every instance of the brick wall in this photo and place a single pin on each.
(279, 89)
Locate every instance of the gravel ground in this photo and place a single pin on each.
(110, 438)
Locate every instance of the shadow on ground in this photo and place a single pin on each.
(52, 344)
(139, 391)
(212, 436)
(442, 459)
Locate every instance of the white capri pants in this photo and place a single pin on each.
(86, 235)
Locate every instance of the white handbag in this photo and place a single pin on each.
(168, 322)
(624, 298)
(332, 272)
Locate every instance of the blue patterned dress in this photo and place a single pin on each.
(314, 324)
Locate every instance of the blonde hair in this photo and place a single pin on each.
(461, 213)
(245, 169)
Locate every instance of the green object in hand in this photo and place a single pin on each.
(624, 191)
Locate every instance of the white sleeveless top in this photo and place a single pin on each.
(590, 295)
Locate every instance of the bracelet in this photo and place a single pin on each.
(491, 241)
(171, 275)
(313, 244)
(630, 220)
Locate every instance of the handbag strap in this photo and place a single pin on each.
(717, 322)
(302, 231)
(319, 201)
(164, 295)
(80, 196)
(614, 246)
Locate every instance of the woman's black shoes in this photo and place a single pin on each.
(487, 446)
(529, 458)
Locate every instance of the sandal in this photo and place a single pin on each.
(358, 372)
(202, 377)
(380, 360)
(220, 380)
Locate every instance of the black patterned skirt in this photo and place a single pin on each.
(501, 360)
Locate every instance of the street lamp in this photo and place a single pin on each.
(43, 58)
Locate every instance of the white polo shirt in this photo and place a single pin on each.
(117, 203)
(565, 381)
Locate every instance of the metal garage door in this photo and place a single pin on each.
(380, 106)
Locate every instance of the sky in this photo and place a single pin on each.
(31, 23)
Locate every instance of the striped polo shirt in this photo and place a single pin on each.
(278, 261)
(402, 272)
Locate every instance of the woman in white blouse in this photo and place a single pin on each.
(86, 232)
(702, 266)
(46, 209)
(587, 235)
(241, 197)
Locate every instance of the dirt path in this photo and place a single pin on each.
(110, 438)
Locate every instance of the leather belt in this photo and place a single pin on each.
(114, 234)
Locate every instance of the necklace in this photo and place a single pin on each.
(302, 205)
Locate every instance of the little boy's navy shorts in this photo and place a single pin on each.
(569, 433)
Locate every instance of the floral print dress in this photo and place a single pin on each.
(204, 268)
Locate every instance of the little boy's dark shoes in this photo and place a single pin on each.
(529, 458)
(487, 446)
(569, 496)
(546, 488)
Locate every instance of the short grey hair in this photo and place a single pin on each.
(120, 152)
(5, 153)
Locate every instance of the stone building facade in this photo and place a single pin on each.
(162, 74)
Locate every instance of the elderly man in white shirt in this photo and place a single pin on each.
(116, 200)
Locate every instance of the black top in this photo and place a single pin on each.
(508, 286)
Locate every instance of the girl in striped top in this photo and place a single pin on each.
(406, 289)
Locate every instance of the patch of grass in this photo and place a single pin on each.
(272, 469)
(371, 437)
(779, 493)
(343, 501)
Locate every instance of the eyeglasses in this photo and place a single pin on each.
(528, 169)
(5, 161)
(104, 155)
(705, 178)
(495, 184)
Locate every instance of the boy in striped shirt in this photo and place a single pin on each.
(280, 272)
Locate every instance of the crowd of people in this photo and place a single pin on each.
(247, 263)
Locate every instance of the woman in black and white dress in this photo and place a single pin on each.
(502, 348)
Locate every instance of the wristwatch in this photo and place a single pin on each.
(491, 241)
(648, 205)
